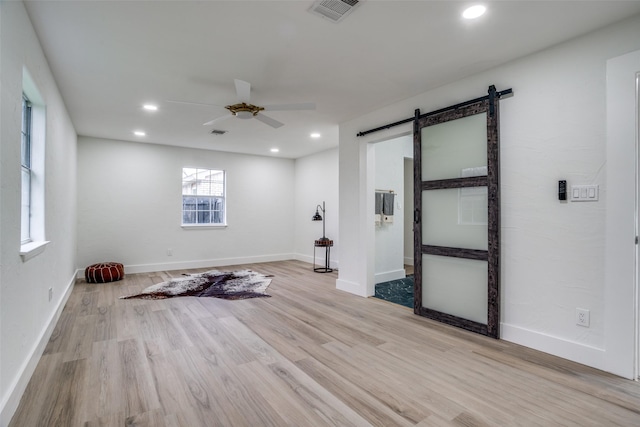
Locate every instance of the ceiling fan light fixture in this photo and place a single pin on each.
(244, 110)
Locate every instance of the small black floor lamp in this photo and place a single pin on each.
(323, 242)
(318, 217)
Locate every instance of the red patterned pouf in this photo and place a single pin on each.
(104, 272)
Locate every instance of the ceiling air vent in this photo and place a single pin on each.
(333, 10)
(218, 132)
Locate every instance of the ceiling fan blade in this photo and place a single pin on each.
(243, 90)
(268, 120)
(290, 107)
(193, 103)
(217, 119)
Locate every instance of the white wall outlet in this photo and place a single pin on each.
(582, 317)
(169, 252)
(50, 294)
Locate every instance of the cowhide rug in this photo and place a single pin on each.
(217, 284)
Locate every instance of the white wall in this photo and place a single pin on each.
(316, 180)
(553, 254)
(129, 207)
(389, 236)
(408, 210)
(27, 316)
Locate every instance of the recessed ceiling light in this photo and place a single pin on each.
(315, 135)
(139, 133)
(474, 12)
(150, 107)
(275, 150)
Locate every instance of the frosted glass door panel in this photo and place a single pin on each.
(452, 147)
(455, 286)
(455, 218)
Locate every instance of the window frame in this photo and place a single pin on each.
(26, 167)
(37, 128)
(210, 212)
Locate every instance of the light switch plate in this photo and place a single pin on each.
(584, 193)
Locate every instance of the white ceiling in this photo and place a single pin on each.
(110, 57)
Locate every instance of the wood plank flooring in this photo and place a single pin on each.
(308, 356)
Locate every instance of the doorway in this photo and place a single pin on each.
(393, 194)
(621, 295)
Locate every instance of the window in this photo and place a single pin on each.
(203, 197)
(32, 162)
(25, 212)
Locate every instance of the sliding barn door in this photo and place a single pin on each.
(456, 222)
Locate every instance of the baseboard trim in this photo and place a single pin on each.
(571, 350)
(390, 275)
(16, 390)
(351, 287)
(408, 260)
(185, 265)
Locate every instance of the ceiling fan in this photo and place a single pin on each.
(245, 110)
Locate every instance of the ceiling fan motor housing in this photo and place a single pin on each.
(244, 110)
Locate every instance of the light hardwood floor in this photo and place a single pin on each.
(308, 356)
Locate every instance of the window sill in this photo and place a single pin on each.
(32, 249)
(202, 226)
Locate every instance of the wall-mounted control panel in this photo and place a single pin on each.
(584, 193)
(562, 190)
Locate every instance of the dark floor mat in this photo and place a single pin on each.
(398, 291)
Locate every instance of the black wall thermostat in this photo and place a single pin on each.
(562, 190)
